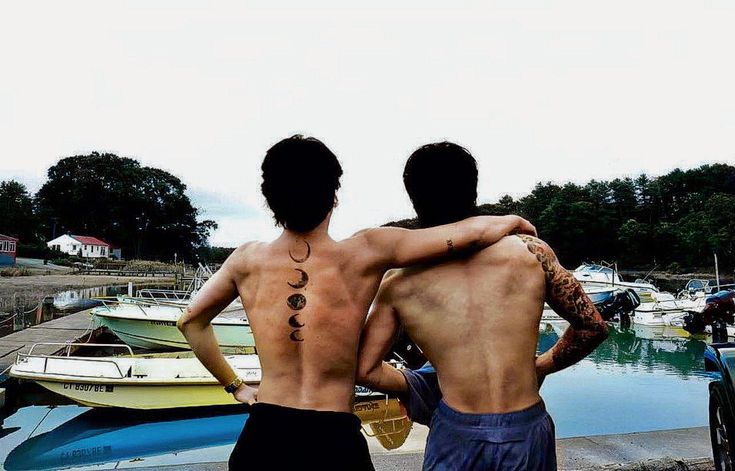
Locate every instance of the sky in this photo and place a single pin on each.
(536, 90)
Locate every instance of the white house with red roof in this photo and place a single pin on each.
(82, 246)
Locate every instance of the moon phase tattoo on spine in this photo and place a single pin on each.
(302, 282)
(565, 296)
(303, 258)
(297, 301)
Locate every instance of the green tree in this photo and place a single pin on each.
(144, 210)
(16, 207)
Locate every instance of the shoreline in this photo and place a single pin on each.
(32, 289)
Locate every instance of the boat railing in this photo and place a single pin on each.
(67, 355)
(109, 304)
(165, 294)
(139, 303)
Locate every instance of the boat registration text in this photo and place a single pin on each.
(90, 387)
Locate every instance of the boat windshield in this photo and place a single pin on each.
(594, 268)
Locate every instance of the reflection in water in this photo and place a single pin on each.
(111, 435)
(646, 348)
(639, 379)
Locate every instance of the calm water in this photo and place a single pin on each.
(640, 379)
(65, 303)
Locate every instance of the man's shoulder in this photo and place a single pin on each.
(243, 257)
(518, 250)
(394, 282)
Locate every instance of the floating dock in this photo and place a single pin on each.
(72, 328)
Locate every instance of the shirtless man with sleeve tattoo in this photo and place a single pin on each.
(476, 319)
(306, 296)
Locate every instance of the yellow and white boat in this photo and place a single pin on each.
(157, 381)
(386, 420)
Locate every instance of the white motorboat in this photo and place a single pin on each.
(153, 326)
(663, 308)
(159, 381)
(599, 276)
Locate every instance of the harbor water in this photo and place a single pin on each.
(63, 303)
(640, 379)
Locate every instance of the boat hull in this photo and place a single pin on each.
(162, 333)
(101, 394)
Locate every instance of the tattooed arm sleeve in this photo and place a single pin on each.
(565, 296)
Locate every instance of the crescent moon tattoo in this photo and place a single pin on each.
(296, 302)
(295, 336)
(293, 322)
(302, 259)
(302, 282)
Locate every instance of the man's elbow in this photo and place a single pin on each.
(365, 375)
(183, 324)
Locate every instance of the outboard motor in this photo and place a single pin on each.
(619, 305)
(719, 312)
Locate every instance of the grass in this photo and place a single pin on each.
(15, 271)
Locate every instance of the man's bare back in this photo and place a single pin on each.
(306, 300)
(476, 319)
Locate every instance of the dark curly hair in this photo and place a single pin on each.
(300, 179)
(441, 180)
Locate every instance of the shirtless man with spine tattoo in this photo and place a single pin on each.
(476, 319)
(307, 296)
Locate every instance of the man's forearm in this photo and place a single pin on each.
(204, 345)
(572, 347)
(386, 379)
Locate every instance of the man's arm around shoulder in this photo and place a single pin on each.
(397, 247)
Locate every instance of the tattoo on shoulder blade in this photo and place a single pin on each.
(565, 295)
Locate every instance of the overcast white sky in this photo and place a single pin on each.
(538, 90)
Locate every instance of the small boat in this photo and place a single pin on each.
(663, 308)
(153, 326)
(155, 381)
(599, 276)
(386, 420)
(150, 381)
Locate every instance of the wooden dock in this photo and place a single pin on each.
(66, 329)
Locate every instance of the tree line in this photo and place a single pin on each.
(143, 210)
(672, 222)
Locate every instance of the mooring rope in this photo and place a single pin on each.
(19, 313)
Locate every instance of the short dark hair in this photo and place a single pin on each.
(441, 180)
(300, 179)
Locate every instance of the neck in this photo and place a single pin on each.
(319, 232)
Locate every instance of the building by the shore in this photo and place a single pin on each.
(8, 248)
(81, 246)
